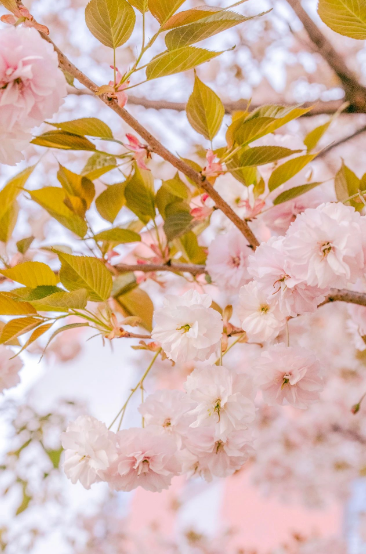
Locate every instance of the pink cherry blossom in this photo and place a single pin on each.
(89, 450)
(9, 369)
(239, 197)
(12, 143)
(289, 375)
(227, 260)
(145, 459)
(31, 84)
(187, 327)
(21, 14)
(213, 167)
(324, 246)
(222, 398)
(356, 325)
(120, 87)
(269, 267)
(259, 314)
(141, 152)
(204, 208)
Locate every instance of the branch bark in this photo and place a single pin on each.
(342, 141)
(172, 268)
(157, 147)
(343, 295)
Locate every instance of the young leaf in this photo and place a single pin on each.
(110, 21)
(347, 184)
(63, 141)
(289, 169)
(141, 5)
(294, 193)
(261, 155)
(38, 332)
(118, 236)
(314, 136)
(137, 302)
(23, 245)
(346, 17)
(177, 224)
(90, 126)
(189, 16)
(31, 274)
(61, 330)
(176, 61)
(12, 189)
(97, 165)
(205, 110)
(62, 301)
(9, 305)
(17, 327)
(193, 251)
(77, 185)
(82, 272)
(248, 131)
(163, 9)
(139, 194)
(111, 200)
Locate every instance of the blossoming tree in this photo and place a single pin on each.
(250, 223)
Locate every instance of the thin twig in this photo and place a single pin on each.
(172, 268)
(342, 141)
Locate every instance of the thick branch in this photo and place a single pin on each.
(355, 92)
(158, 148)
(172, 268)
(343, 295)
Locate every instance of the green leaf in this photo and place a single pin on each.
(61, 330)
(205, 110)
(314, 136)
(192, 250)
(294, 193)
(31, 274)
(141, 5)
(83, 272)
(176, 61)
(123, 283)
(111, 200)
(346, 184)
(77, 185)
(176, 187)
(55, 456)
(139, 194)
(205, 28)
(261, 155)
(26, 498)
(137, 302)
(62, 301)
(162, 10)
(110, 21)
(52, 199)
(27, 293)
(17, 327)
(9, 305)
(63, 141)
(289, 169)
(97, 165)
(23, 245)
(118, 236)
(90, 126)
(346, 17)
(177, 224)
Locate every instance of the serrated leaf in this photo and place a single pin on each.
(189, 16)
(141, 5)
(90, 126)
(111, 200)
(79, 186)
(314, 136)
(8, 222)
(12, 189)
(248, 131)
(205, 111)
(27, 294)
(9, 305)
(177, 224)
(162, 10)
(261, 155)
(63, 141)
(139, 194)
(245, 175)
(61, 330)
(193, 251)
(289, 169)
(205, 28)
(346, 184)
(52, 199)
(137, 302)
(97, 165)
(294, 193)
(83, 272)
(110, 21)
(346, 17)
(17, 327)
(118, 236)
(176, 61)
(62, 301)
(23, 245)
(38, 332)
(176, 187)
(31, 274)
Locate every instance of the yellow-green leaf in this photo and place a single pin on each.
(31, 274)
(205, 111)
(23, 245)
(346, 184)
(111, 200)
(63, 141)
(62, 301)
(110, 21)
(253, 129)
(38, 332)
(8, 222)
(314, 136)
(346, 17)
(77, 185)
(261, 155)
(27, 294)
(52, 199)
(137, 302)
(192, 250)
(189, 16)
(10, 5)
(177, 224)
(176, 187)
(90, 126)
(141, 5)
(139, 194)
(12, 189)
(289, 169)
(61, 330)
(294, 193)
(176, 61)
(118, 236)
(78, 272)
(163, 9)
(97, 165)
(17, 327)
(9, 305)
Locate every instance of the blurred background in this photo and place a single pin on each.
(305, 491)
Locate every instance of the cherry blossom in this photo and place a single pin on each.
(356, 325)
(222, 397)
(227, 260)
(187, 327)
(13, 142)
(9, 369)
(21, 14)
(141, 152)
(145, 459)
(213, 168)
(239, 197)
(259, 314)
(89, 449)
(120, 87)
(289, 375)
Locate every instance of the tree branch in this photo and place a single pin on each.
(342, 141)
(343, 295)
(157, 147)
(355, 92)
(172, 268)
